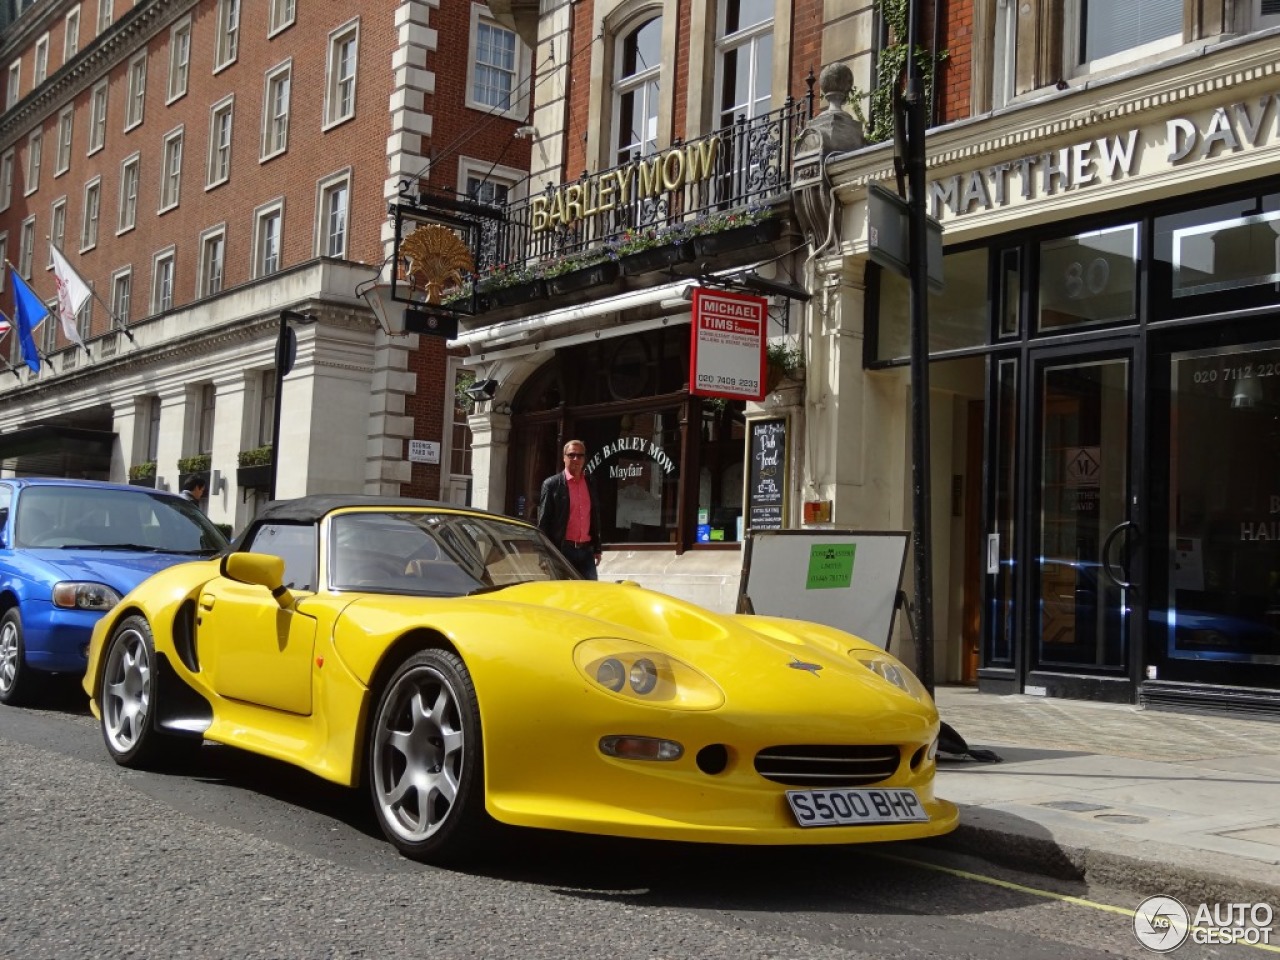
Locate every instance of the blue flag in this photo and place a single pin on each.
(28, 313)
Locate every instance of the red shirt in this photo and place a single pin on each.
(579, 526)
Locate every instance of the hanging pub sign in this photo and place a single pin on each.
(727, 356)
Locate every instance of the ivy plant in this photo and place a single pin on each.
(891, 65)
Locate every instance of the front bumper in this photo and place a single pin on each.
(55, 639)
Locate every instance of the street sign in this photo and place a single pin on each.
(889, 236)
(424, 451)
(727, 353)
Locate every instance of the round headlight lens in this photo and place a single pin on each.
(644, 676)
(611, 674)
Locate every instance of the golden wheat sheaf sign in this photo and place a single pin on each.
(435, 259)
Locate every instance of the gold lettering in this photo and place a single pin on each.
(650, 177)
(625, 176)
(538, 214)
(671, 179)
(700, 159)
(557, 208)
(604, 193)
(572, 203)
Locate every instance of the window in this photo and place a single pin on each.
(66, 123)
(12, 88)
(92, 203)
(340, 75)
(98, 117)
(4, 255)
(121, 294)
(219, 167)
(279, 16)
(332, 217)
(746, 59)
(153, 429)
(6, 179)
(228, 33)
(71, 36)
(204, 417)
(269, 222)
(42, 61)
(459, 437)
(296, 545)
(497, 61)
(171, 173)
(275, 111)
(267, 408)
(128, 217)
(162, 266)
(179, 58)
(49, 331)
(106, 12)
(1089, 278)
(487, 183)
(1102, 34)
(636, 91)
(1266, 14)
(213, 248)
(27, 246)
(35, 150)
(57, 227)
(137, 91)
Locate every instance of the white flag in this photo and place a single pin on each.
(72, 293)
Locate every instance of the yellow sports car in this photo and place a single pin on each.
(454, 661)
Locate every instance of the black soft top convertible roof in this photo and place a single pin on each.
(310, 509)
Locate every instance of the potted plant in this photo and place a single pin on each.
(571, 274)
(188, 466)
(143, 474)
(782, 362)
(254, 467)
(734, 231)
(650, 249)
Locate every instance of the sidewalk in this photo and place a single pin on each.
(1149, 801)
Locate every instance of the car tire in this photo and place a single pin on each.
(425, 761)
(126, 696)
(19, 683)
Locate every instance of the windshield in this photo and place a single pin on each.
(58, 517)
(437, 554)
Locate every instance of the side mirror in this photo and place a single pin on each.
(260, 568)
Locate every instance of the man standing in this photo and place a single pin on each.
(568, 512)
(193, 487)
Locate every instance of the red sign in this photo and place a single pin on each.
(727, 355)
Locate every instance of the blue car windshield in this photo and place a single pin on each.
(83, 518)
(438, 554)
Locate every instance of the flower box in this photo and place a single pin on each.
(518, 293)
(656, 258)
(148, 482)
(257, 476)
(583, 278)
(737, 239)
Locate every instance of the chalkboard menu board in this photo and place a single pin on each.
(767, 474)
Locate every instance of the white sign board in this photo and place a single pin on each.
(728, 344)
(847, 579)
(424, 451)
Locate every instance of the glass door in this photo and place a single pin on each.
(1079, 583)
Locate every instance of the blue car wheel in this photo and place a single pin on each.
(18, 682)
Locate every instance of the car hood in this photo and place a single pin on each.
(118, 569)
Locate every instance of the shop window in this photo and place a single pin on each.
(1227, 247)
(959, 317)
(1090, 278)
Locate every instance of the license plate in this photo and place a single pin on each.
(837, 808)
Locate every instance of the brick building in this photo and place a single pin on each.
(207, 165)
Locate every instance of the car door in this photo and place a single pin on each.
(252, 649)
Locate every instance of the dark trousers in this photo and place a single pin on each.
(583, 559)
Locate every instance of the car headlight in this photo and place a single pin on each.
(890, 670)
(638, 672)
(80, 595)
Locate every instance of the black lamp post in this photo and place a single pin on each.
(922, 546)
(286, 354)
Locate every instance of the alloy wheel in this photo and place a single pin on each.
(9, 653)
(126, 690)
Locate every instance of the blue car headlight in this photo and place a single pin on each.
(84, 595)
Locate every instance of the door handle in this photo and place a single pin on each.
(1107, 568)
(206, 601)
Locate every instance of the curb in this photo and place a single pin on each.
(1145, 869)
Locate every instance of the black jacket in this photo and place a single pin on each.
(553, 510)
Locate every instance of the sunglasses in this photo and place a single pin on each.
(574, 456)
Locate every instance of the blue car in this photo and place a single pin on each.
(69, 550)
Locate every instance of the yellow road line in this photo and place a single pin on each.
(1047, 894)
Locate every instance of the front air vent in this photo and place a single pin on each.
(828, 766)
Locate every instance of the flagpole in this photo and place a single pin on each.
(124, 328)
(7, 365)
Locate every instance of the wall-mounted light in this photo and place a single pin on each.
(161, 483)
(217, 483)
(482, 390)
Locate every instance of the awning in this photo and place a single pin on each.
(48, 449)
